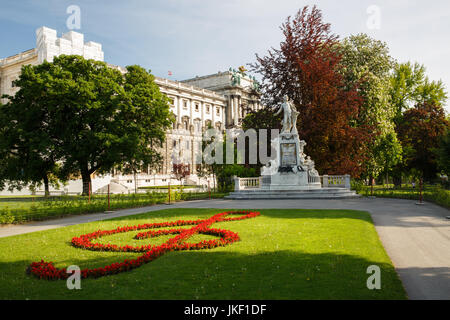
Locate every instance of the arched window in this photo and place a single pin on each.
(185, 122)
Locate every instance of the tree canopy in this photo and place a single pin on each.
(93, 117)
(420, 132)
(367, 64)
(306, 68)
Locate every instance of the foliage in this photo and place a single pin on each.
(54, 207)
(442, 153)
(226, 172)
(94, 117)
(410, 86)
(366, 64)
(420, 132)
(261, 119)
(181, 171)
(28, 152)
(434, 194)
(306, 68)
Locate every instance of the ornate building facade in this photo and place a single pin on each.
(218, 100)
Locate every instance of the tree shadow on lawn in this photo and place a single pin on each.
(215, 274)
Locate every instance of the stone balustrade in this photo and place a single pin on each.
(326, 180)
(313, 179)
(247, 183)
(336, 181)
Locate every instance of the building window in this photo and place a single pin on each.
(218, 111)
(185, 104)
(174, 143)
(197, 108)
(12, 84)
(207, 108)
(172, 102)
(129, 181)
(188, 145)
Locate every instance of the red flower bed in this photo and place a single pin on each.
(46, 270)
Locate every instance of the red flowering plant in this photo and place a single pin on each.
(46, 270)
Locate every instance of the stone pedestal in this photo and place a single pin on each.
(291, 169)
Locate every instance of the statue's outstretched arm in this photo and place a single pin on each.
(279, 110)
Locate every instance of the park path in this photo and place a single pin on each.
(416, 238)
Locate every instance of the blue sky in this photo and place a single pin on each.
(198, 37)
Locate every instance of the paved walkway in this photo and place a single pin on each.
(416, 238)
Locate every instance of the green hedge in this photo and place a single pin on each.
(434, 194)
(66, 205)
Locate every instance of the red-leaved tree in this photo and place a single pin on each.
(305, 68)
(181, 171)
(420, 133)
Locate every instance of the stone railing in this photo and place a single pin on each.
(247, 183)
(313, 179)
(336, 181)
(327, 182)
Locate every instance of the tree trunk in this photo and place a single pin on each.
(397, 181)
(86, 177)
(46, 186)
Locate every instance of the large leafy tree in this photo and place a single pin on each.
(306, 68)
(366, 64)
(410, 86)
(99, 118)
(421, 132)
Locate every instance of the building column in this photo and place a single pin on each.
(190, 113)
(236, 110)
(202, 110)
(179, 106)
(213, 115)
(229, 111)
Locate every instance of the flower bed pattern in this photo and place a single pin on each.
(46, 270)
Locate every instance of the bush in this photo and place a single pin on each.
(66, 205)
(435, 194)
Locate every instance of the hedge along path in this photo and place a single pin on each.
(46, 270)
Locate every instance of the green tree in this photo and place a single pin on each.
(443, 153)
(27, 148)
(366, 64)
(410, 86)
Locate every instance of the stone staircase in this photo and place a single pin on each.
(324, 193)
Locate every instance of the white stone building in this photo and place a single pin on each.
(218, 100)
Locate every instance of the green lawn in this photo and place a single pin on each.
(283, 254)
